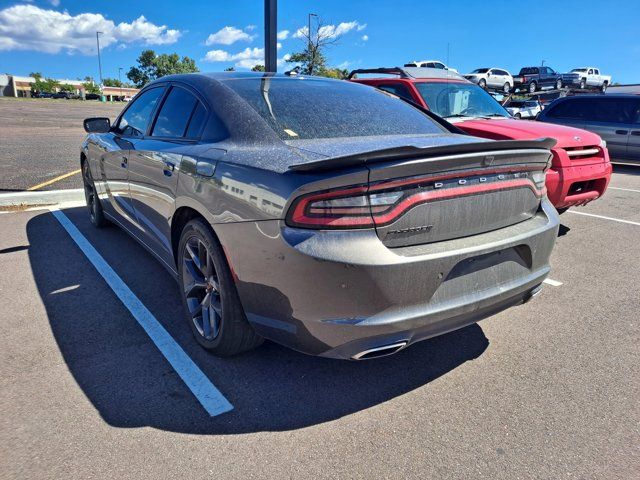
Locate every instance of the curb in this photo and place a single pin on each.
(33, 199)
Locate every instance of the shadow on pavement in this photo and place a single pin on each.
(626, 169)
(131, 385)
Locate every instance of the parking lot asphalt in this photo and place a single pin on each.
(41, 140)
(545, 390)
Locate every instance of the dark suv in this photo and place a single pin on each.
(616, 118)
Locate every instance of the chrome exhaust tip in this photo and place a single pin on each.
(380, 351)
(534, 291)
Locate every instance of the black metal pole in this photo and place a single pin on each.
(270, 33)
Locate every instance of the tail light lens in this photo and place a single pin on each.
(362, 206)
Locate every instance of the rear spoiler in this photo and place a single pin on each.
(409, 152)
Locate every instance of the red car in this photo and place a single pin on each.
(580, 170)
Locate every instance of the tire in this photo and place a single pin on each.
(532, 87)
(518, 115)
(559, 84)
(506, 88)
(482, 83)
(207, 288)
(96, 214)
(583, 84)
(604, 87)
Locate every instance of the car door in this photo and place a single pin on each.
(154, 163)
(613, 119)
(131, 124)
(633, 142)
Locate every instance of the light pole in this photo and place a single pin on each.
(120, 81)
(270, 32)
(99, 61)
(309, 47)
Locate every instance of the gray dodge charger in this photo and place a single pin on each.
(327, 216)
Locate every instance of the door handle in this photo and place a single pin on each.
(123, 164)
(622, 132)
(635, 132)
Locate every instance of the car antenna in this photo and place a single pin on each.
(294, 71)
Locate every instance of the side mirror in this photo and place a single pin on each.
(97, 125)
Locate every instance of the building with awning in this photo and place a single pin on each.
(17, 86)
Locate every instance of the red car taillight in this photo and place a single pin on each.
(362, 206)
(351, 207)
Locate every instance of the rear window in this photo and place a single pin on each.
(529, 71)
(307, 108)
(480, 70)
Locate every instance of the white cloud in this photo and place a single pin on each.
(250, 28)
(247, 58)
(344, 64)
(365, 38)
(55, 3)
(283, 35)
(27, 27)
(332, 31)
(228, 36)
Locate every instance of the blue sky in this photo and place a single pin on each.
(56, 37)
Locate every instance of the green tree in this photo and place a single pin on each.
(47, 85)
(112, 82)
(65, 87)
(152, 66)
(90, 86)
(229, 69)
(339, 73)
(257, 68)
(312, 58)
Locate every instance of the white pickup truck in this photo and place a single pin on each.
(591, 77)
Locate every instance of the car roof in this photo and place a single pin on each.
(411, 73)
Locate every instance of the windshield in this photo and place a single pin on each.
(480, 70)
(308, 108)
(459, 100)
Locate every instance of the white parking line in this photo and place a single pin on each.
(624, 189)
(553, 283)
(207, 394)
(605, 218)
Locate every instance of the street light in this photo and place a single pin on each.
(120, 81)
(311, 55)
(99, 61)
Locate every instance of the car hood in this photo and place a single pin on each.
(503, 129)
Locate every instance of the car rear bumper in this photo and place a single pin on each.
(577, 185)
(339, 293)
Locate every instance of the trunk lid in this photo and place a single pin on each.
(458, 195)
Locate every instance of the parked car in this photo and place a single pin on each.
(523, 108)
(430, 64)
(537, 78)
(492, 78)
(92, 96)
(42, 95)
(67, 95)
(580, 169)
(591, 77)
(324, 215)
(616, 118)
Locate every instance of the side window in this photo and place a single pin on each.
(568, 109)
(612, 110)
(439, 65)
(397, 89)
(590, 72)
(176, 113)
(596, 71)
(136, 118)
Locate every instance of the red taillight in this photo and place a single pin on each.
(380, 204)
